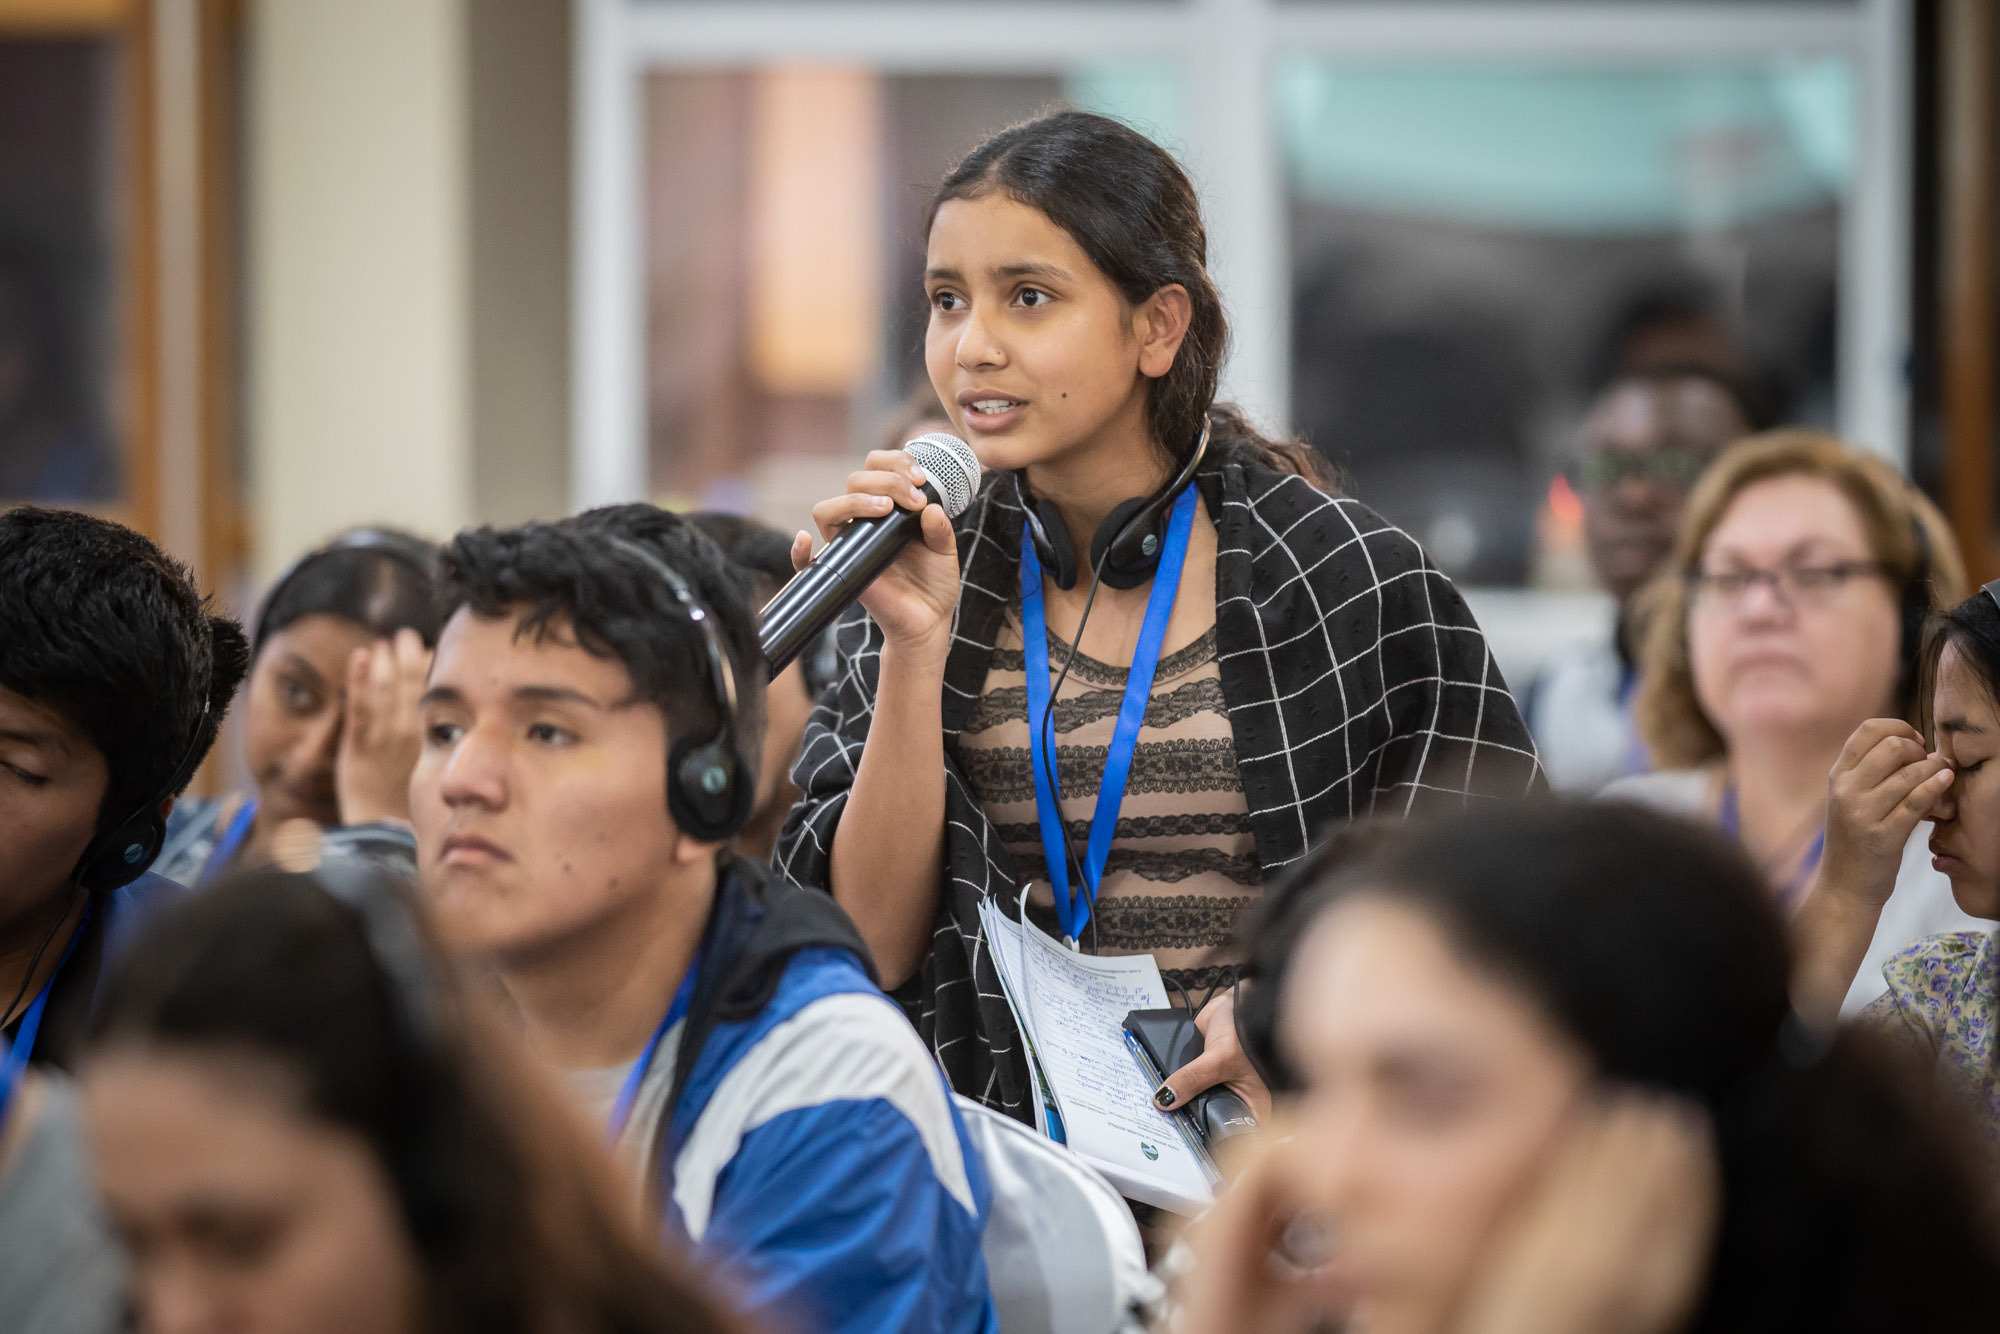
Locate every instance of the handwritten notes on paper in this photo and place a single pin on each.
(1073, 1008)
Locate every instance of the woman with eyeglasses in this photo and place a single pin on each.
(1788, 614)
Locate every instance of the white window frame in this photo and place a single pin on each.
(1226, 49)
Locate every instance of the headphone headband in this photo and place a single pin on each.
(707, 791)
(1992, 592)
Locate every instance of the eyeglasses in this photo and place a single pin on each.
(1795, 585)
(1673, 466)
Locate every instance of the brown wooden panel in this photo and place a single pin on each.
(1966, 276)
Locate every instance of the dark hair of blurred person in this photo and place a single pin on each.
(1282, 655)
(1943, 997)
(1790, 612)
(114, 676)
(764, 554)
(1645, 441)
(1543, 1074)
(301, 1125)
(592, 730)
(340, 649)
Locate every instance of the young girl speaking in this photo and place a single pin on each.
(1153, 660)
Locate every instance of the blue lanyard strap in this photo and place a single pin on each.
(1731, 820)
(1073, 909)
(231, 842)
(22, 1049)
(628, 1092)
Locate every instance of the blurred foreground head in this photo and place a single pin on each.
(1448, 1002)
(300, 1126)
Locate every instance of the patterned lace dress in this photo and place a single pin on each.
(1183, 866)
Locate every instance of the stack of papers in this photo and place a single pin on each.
(1092, 1093)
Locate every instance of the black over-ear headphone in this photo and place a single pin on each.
(122, 852)
(413, 553)
(1126, 548)
(707, 790)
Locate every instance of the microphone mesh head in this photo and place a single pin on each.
(952, 466)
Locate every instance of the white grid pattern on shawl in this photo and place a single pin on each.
(1309, 588)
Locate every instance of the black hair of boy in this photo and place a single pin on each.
(99, 625)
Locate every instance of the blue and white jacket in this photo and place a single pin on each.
(796, 1131)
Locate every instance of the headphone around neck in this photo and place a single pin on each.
(1126, 547)
(708, 792)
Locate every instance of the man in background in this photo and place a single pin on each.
(1650, 432)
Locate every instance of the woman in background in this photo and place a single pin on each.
(330, 732)
(300, 1126)
(1790, 611)
(1943, 998)
(1543, 1077)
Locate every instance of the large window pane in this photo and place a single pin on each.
(1473, 245)
(784, 206)
(61, 192)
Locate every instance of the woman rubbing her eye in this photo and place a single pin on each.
(1943, 995)
(329, 715)
(1541, 1075)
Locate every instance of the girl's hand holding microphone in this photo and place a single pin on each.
(913, 599)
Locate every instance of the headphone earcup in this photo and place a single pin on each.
(1051, 538)
(120, 856)
(1133, 548)
(706, 793)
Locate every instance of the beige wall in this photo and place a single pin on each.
(406, 278)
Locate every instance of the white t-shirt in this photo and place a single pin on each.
(1921, 906)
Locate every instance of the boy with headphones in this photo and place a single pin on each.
(114, 677)
(591, 734)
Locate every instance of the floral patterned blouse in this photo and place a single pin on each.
(1944, 997)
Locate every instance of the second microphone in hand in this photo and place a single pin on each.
(849, 563)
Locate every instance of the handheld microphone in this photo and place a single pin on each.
(849, 563)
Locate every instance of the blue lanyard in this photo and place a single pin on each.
(1638, 757)
(628, 1092)
(1073, 911)
(230, 843)
(23, 1047)
(1731, 821)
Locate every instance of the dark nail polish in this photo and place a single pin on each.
(1163, 1098)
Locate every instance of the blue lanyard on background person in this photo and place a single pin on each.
(1073, 909)
(22, 1049)
(1731, 821)
(628, 1092)
(231, 842)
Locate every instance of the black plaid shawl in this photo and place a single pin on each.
(1355, 678)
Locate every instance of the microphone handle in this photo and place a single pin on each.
(817, 595)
